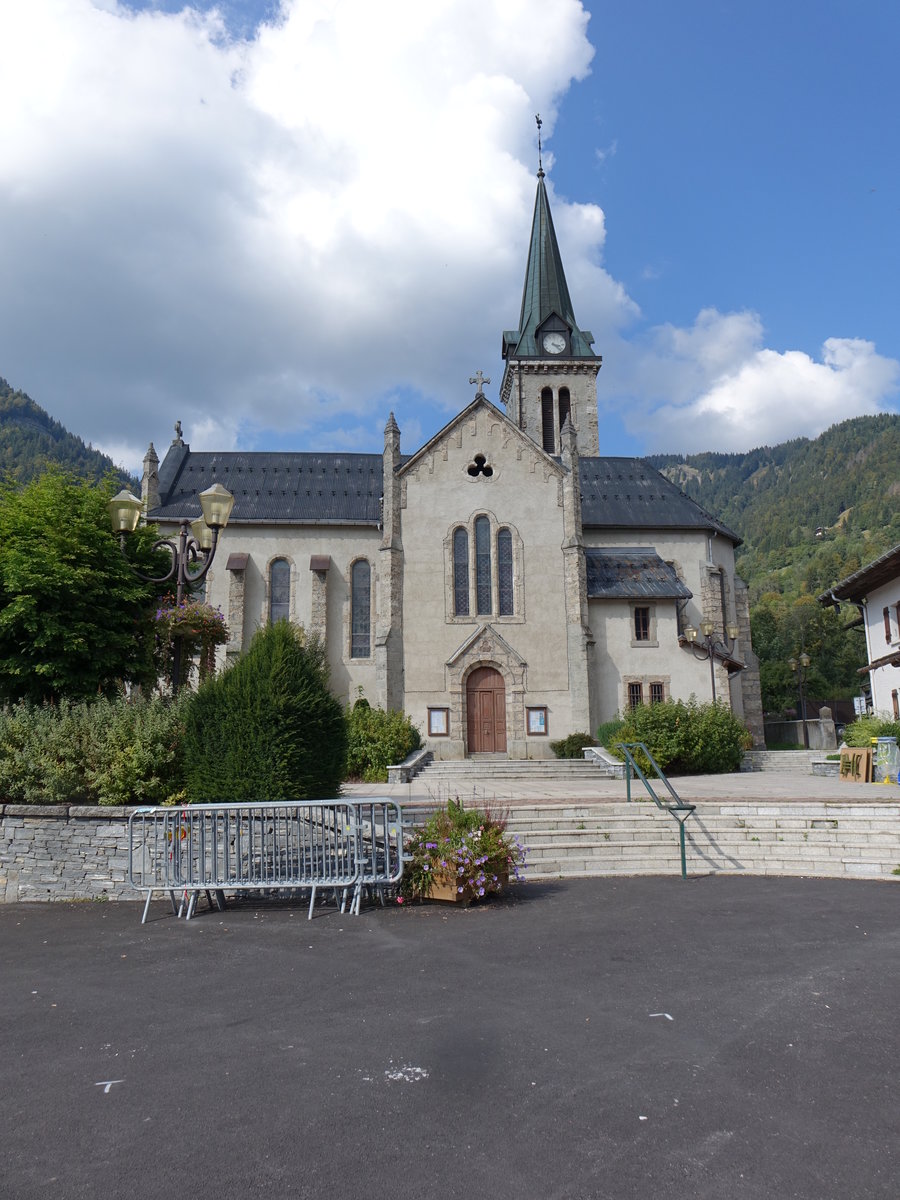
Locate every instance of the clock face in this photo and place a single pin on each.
(554, 343)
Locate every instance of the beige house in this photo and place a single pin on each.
(505, 584)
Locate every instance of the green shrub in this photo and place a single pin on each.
(608, 733)
(686, 737)
(377, 739)
(863, 729)
(572, 746)
(110, 752)
(266, 728)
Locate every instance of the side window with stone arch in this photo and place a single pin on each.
(279, 590)
(360, 609)
(460, 572)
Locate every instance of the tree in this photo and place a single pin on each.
(75, 622)
(267, 728)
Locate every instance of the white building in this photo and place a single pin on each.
(875, 590)
(505, 583)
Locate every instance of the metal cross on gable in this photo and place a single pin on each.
(479, 379)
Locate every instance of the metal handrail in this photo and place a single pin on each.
(674, 810)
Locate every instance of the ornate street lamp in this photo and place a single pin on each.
(191, 553)
(800, 666)
(710, 645)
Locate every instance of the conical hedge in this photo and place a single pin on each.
(267, 728)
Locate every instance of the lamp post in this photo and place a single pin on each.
(710, 646)
(192, 552)
(800, 666)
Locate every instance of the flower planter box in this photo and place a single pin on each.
(445, 886)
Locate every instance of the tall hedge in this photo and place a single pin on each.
(267, 728)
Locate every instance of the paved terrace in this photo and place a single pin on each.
(765, 787)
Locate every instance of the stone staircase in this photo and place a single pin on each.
(488, 770)
(818, 838)
(794, 762)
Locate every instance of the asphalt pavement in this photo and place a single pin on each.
(645, 1037)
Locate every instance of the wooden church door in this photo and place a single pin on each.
(486, 711)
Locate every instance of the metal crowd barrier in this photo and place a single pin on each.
(213, 848)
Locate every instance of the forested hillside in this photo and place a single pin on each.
(30, 441)
(810, 512)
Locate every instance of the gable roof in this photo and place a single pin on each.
(631, 573)
(627, 493)
(297, 488)
(546, 291)
(857, 586)
(481, 401)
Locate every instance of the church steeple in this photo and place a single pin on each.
(546, 292)
(551, 368)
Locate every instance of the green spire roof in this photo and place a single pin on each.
(546, 291)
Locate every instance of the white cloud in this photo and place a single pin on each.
(715, 386)
(247, 235)
(279, 239)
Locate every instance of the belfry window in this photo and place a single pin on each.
(360, 609)
(460, 572)
(565, 406)
(482, 566)
(548, 433)
(279, 590)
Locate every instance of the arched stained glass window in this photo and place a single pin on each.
(360, 609)
(482, 565)
(460, 573)
(548, 434)
(505, 572)
(279, 590)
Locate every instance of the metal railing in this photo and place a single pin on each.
(343, 845)
(679, 810)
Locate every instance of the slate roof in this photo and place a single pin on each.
(283, 488)
(294, 488)
(545, 291)
(636, 573)
(626, 493)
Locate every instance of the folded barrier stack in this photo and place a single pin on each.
(346, 845)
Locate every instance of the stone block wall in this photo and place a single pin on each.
(62, 852)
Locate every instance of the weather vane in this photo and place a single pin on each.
(537, 117)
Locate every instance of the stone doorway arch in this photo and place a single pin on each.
(485, 711)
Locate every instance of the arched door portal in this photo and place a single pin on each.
(486, 711)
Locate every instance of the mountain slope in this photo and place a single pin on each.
(30, 441)
(809, 511)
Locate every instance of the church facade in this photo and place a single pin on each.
(505, 584)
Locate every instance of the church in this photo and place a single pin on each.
(504, 584)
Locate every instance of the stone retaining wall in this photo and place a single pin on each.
(61, 852)
(72, 853)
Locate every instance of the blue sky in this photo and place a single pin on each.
(278, 221)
